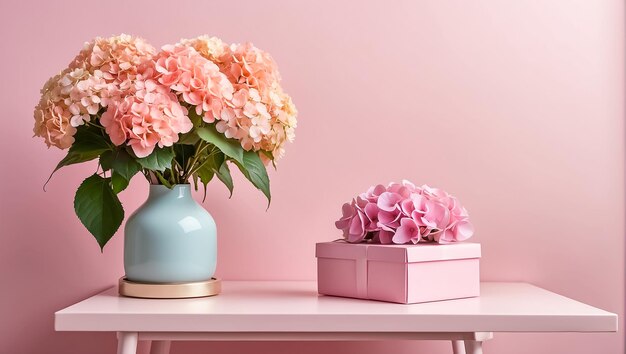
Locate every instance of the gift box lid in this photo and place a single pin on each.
(421, 252)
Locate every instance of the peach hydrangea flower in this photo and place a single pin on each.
(237, 87)
(109, 67)
(149, 118)
(196, 79)
(52, 117)
(72, 95)
(211, 48)
(260, 115)
(101, 73)
(119, 58)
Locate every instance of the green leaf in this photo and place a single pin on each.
(205, 175)
(224, 175)
(209, 166)
(195, 118)
(248, 162)
(194, 178)
(89, 143)
(158, 160)
(106, 160)
(123, 167)
(254, 170)
(118, 183)
(190, 138)
(230, 147)
(98, 208)
(270, 156)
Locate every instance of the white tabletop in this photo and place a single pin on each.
(295, 306)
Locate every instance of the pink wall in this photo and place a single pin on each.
(514, 106)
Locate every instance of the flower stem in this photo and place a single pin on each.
(203, 162)
(162, 179)
(189, 171)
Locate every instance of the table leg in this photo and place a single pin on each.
(473, 347)
(127, 342)
(458, 347)
(160, 347)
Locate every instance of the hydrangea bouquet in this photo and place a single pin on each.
(176, 115)
(403, 213)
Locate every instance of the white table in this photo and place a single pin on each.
(290, 310)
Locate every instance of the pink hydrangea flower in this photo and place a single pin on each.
(352, 223)
(403, 213)
(389, 201)
(373, 193)
(408, 231)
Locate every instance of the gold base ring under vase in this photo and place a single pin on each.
(205, 288)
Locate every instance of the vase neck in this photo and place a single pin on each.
(161, 192)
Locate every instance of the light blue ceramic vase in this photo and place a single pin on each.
(170, 238)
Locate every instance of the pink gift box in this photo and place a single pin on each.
(404, 274)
